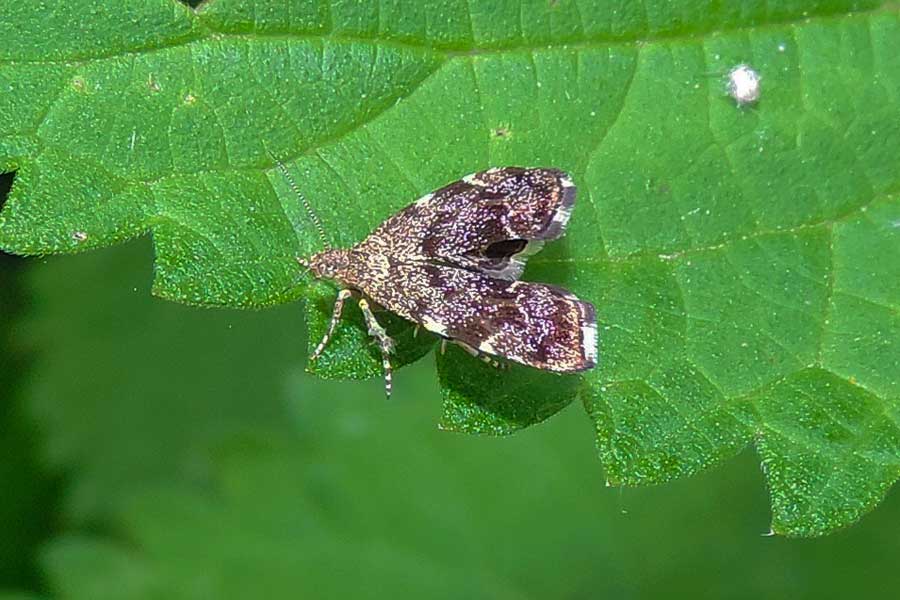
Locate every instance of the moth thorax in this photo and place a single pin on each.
(330, 264)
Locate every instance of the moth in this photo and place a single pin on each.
(450, 262)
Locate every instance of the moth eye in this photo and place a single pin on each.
(505, 249)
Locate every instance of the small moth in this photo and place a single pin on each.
(450, 262)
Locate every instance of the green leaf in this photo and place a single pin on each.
(479, 398)
(727, 249)
(18, 596)
(271, 523)
(131, 390)
(362, 503)
(295, 480)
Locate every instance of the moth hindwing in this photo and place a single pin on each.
(450, 262)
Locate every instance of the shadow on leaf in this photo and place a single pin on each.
(351, 353)
(479, 398)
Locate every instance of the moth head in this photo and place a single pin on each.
(330, 264)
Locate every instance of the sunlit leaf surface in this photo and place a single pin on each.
(743, 260)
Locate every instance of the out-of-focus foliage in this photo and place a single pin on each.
(324, 489)
(27, 490)
(739, 257)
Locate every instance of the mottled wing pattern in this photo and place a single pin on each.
(534, 324)
(489, 221)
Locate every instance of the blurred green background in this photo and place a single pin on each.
(152, 450)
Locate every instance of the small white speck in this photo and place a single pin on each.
(782, 47)
(593, 114)
(743, 85)
(79, 236)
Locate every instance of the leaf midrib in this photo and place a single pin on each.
(205, 32)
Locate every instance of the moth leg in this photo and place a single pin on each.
(478, 354)
(384, 341)
(335, 318)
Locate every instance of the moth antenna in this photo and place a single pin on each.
(309, 210)
(300, 277)
(306, 268)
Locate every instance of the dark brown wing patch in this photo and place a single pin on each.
(538, 325)
(477, 222)
(539, 201)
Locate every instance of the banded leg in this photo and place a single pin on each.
(479, 354)
(335, 318)
(384, 342)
